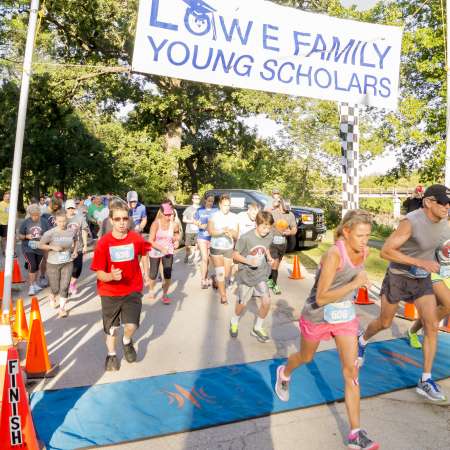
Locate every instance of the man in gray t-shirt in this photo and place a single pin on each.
(190, 238)
(253, 255)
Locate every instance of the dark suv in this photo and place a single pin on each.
(310, 221)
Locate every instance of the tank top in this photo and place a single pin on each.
(342, 310)
(164, 238)
(426, 236)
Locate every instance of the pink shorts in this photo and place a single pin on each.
(325, 331)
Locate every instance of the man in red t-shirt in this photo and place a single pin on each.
(119, 282)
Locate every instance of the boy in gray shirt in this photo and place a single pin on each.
(253, 255)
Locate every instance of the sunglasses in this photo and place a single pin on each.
(120, 219)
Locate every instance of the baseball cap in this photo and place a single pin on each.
(59, 195)
(132, 196)
(70, 204)
(439, 192)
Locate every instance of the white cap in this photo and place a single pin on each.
(132, 196)
(70, 204)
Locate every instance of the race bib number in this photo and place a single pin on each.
(339, 312)
(63, 257)
(33, 244)
(122, 253)
(417, 272)
(279, 240)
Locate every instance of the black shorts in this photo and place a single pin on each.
(121, 310)
(277, 251)
(399, 288)
(228, 253)
(32, 261)
(167, 263)
(3, 231)
(190, 239)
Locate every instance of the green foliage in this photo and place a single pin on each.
(377, 205)
(380, 231)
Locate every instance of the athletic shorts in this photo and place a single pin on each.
(32, 260)
(399, 288)
(167, 263)
(317, 332)
(121, 310)
(3, 231)
(245, 293)
(190, 239)
(436, 278)
(277, 251)
(219, 252)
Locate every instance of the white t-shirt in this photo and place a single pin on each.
(245, 223)
(222, 221)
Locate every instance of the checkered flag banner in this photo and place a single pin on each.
(349, 134)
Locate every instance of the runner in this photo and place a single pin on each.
(120, 283)
(441, 285)
(252, 254)
(223, 228)
(411, 252)
(164, 237)
(95, 216)
(4, 214)
(247, 219)
(201, 218)
(79, 227)
(285, 226)
(42, 204)
(30, 232)
(415, 201)
(138, 213)
(329, 312)
(60, 244)
(190, 239)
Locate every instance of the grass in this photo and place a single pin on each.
(375, 266)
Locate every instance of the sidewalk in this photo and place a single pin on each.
(192, 333)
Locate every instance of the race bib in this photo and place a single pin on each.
(33, 244)
(339, 312)
(122, 253)
(63, 257)
(222, 243)
(279, 240)
(417, 272)
(445, 271)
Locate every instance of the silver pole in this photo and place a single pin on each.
(20, 131)
(447, 143)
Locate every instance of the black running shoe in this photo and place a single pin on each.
(129, 352)
(111, 363)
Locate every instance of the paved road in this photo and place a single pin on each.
(192, 333)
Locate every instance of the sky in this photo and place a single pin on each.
(362, 4)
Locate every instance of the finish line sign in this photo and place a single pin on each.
(256, 44)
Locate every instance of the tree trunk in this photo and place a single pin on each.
(192, 169)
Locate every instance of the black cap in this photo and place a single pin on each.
(439, 192)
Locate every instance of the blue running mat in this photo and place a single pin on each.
(148, 407)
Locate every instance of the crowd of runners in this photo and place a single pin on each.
(241, 254)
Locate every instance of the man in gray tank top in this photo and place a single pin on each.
(411, 252)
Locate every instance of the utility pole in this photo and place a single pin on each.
(18, 148)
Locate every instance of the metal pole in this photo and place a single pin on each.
(20, 132)
(447, 143)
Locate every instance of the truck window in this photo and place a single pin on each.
(240, 199)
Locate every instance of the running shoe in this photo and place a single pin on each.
(276, 289)
(62, 313)
(73, 289)
(431, 390)
(413, 339)
(205, 285)
(37, 288)
(53, 303)
(361, 350)
(32, 291)
(360, 440)
(166, 300)
(282, 386)
(261, 335)
(111, 363)
(270, 283)
(234, 329)
(43, 282)
(129, 352)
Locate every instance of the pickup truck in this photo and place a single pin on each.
(310, 221)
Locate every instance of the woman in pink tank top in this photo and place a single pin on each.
(164, 237)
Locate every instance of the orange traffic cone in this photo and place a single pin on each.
(362, 297)
(296, 274)
(409, 312)
(16, 424)
(20, 327)
(446, 325)
(17, 274)
(35, 311)
(2, 283)
(38, 363)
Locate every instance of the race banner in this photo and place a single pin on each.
(256, 44)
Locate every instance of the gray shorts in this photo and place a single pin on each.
(219, 252)
(245, 293)
(59, 276)
(399, 288)
(190, 239)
